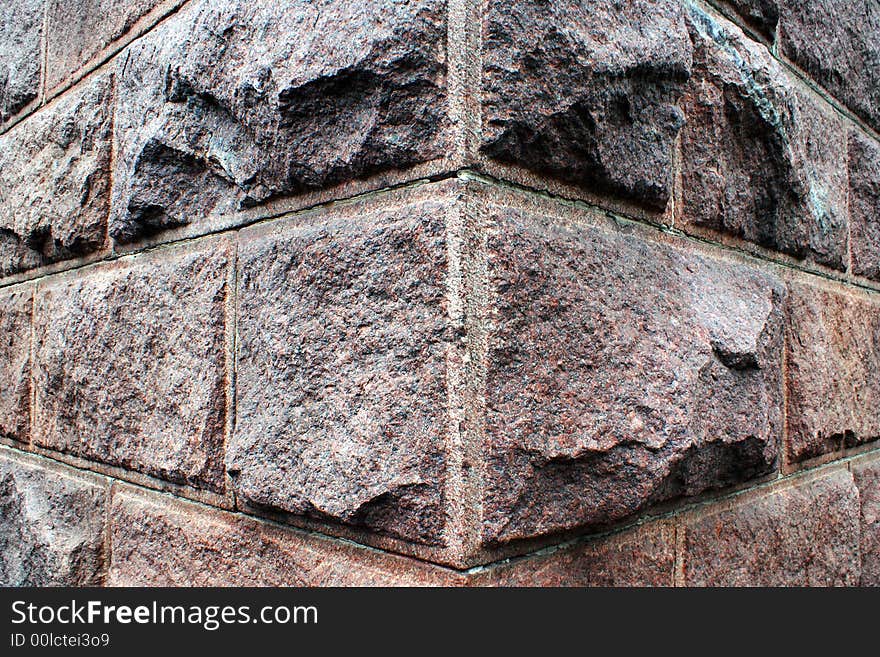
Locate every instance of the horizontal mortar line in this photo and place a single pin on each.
(619, 215)
(838, 106)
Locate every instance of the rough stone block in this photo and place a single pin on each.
(52, 524)
(130, 364)
(641, 557)
(833, 371)
(15, 360)
(232, 102)
(760, 15)
(835, 42)
(77, 32)
(864, 205)
(587, 91)
(620, 373)
(341, 379)
(805, 534)
(159, 541)
(761, 159)
(55, 180)
(21, 55)
(867, 478)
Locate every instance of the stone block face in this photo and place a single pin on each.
(833, 362)
(805, 534)
(15, 359)
(52, 525)
(640, 557)
(587, 92)
(341, 381)
(130, 364)
(620, 373)
(233, 102)
(21, 55)
(864, 205)
(867, 478)
(158, 541)
(77, 32)
(835, 42)
(760, 15)
(55, 177)
(761, 159)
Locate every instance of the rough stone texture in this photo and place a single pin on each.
(341, 384)
(760, 15)
(761, 160)
(232, 102)
(15, 350)
(640, 557)
(806, 534)
(161, 542)
(864, 205)
(833, 371)
(835, 42)
(76, 32)
(55, 180)
(867, 478)
(130, 364)
(587, 91)
(51, 526)
(21, 54)
(620, 373)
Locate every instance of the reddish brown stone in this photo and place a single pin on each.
(130, 364)
(640, 557)
(864, 205)
(620, 373)
(160, 541)
(21, 55)
(833, 371)
(15, 360)
(801, 534)
(867, 478)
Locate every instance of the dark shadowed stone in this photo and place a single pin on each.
(760, 15)
(620, 373)
(15, 360)
(55, 180)
(21, 54)
(587, 91)
(52, 525)
(836, 42)
(804, 534)
(833, 371)
(130, 364)
(761, 159)
(867, 478)
(232, 102)
(864, 205)
(341, 384)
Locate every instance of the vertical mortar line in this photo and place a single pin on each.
(44, 55)
(850, 275)
(231, 348)
(108, 534)
(784, 437)
(678, 559)
(32, 364)
(463, 57)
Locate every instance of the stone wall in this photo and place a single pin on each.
(440, 292)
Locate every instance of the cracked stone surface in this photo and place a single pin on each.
(233, 102)
(15, 349)
(620, 373)
(864, 205)
(21, 55)
(587, 91)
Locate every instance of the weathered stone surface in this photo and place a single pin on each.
(55, 180)
(864, 205)
(341, 380)
(620, 373)
(78, 31)
(835, 42)
(760, 15)
(15, 354)
(833, 371)
(51, 525)
(587, 91)
(159, 541)
(232, 102)
(867, 478)
(641, 557)
(130, 364)
(21, 54)
(806, 534)
(761, 160)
